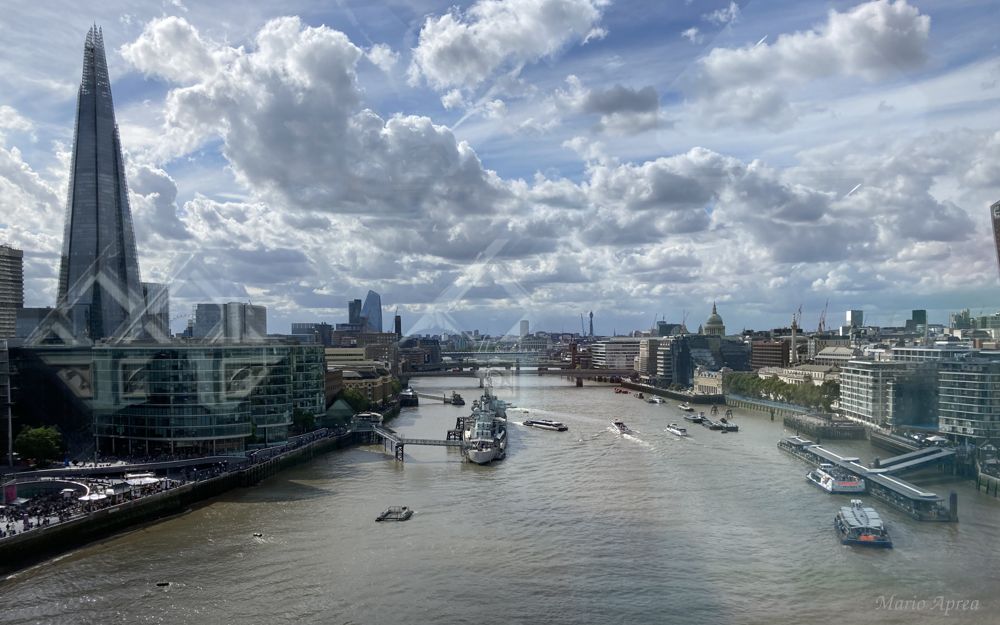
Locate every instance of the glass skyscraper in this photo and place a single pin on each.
(372, 312)
(99, 286)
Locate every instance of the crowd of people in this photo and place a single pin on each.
(40, 511)
(49, 509)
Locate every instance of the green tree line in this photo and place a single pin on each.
(808, 395)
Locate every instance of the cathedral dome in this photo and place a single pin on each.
(714, 325)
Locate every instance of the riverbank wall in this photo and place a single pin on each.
(772, 408)
(662, 392)
(17, 552)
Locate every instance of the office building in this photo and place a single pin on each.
(615, 353)
(230, 322)
(99, 287)
(322, 333)
(371, 312)
(156, 315)
(856, 318)
(354, 312)
(524, 328)
(646, 361)
(769, 353)
(11, 289)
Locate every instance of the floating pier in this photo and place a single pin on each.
(920, 504)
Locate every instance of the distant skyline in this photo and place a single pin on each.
(532, 159)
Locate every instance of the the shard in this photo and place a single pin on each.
(99, 286)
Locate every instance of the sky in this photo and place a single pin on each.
(485, 162)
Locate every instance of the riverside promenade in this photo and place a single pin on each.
(50, 525)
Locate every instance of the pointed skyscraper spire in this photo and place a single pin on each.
(99, 285)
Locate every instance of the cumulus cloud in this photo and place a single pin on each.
(382, 57)
(748, 85)
(461, 49)
(154, 204)
(622, 110)
(171, 48)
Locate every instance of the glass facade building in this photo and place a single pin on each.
(99, 286)
(201, 398)
(371, 312)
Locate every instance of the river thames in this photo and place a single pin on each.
(584, 526)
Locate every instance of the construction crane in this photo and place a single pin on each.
(821, 327)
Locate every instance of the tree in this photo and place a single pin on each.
(358, 402)
(39, 444)
(396, 387)
(303, 420)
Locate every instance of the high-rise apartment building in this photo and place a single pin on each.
(11, 289)
(524, 328)
(99, 286)
(969, 398)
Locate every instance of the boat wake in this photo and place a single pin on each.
(632, 437)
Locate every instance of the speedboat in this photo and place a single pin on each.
(545, 424)
(673, 428)
(861, 525)
(685, 407)
(622, 428)
(693, 418)
(835, 480)
(655, 400)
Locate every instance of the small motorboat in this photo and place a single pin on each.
(685, 407)
(621, 427)
(673, 428)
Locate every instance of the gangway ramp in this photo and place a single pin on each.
(915, 459)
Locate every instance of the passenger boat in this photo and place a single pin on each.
(622, 428)
(836, 480)
(860, 525)
(545, 424)
(408, 397)
(455, 399)
(685, 407)
(673, 428)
